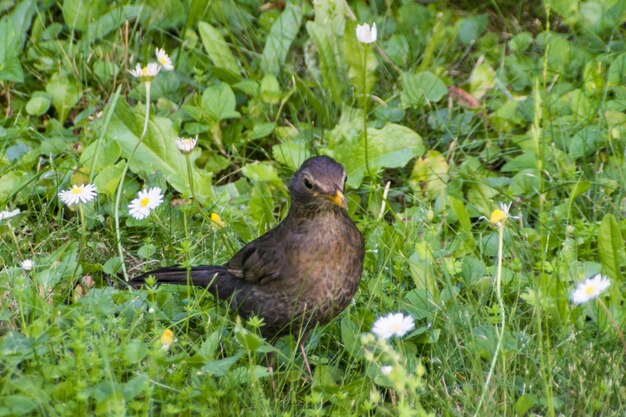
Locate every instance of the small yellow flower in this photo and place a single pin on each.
(217, 220)
(499, 216)
(167, 339)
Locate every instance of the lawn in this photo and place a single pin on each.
(485, 147)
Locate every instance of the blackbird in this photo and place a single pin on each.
(303, 272)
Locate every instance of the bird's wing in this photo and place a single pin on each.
(260, 261)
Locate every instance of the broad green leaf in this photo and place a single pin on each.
(108, 179)
(13, 30)
(38, 104)
(218, 102)
(350, 333)
(221, 366)
(107, 155)
(134, 351)
(291, 153)
(12, 182)
(390, 147)
(430, 174)
(260, 171)
(261, 130)
(418, 89)
(79, 14)
(158, 151)
(65, 94)
(279, 40)
(218, 50)
(270, 89)
(611, 247)
(471, 28)
(617, 71)
(482, 80)
(331, 60)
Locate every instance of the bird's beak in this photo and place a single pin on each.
(338, 199)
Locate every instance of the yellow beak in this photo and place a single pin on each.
(338, 198)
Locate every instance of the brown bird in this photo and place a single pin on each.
(303, 272)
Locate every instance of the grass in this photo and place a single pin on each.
(263, 88)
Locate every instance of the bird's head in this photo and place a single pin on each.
(320, 182)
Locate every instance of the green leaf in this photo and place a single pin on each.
(418, 89)
(220, 367)
(38, 104)
(134, 351)
(331, 59)
(270, 89)
(65, 94)
(350, 333)
(219, 51)
(158, 151)
(106, 156)
(279, 40)
(390, 147)
(617, 71)
(611, 247)
(13, 30)
(260, 171)
(292, 153)
(261, 130)
(218, 101)
(471, 28)
(108, 179)
(79, 14)
(482, 80)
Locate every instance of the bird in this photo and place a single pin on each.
(298, 275)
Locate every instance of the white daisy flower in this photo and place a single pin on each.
(146, 201)
(589, 289)
(146, 73)
(395, 324)
(4, 215)
(186, 145)
(499, 216)
(78, 194)
(365, 34)
(164, 59)
(386, 370)
(27, 264)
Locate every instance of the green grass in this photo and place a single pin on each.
(547, 137)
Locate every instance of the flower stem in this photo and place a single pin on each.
(83, 226)
(364, 50)
(120, 187)
(502, 319)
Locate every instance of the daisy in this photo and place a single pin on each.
(145, 202)
(78, 194)
(589, 289)
(365, 34)
(146, 73)
(167, 339)
(395, 324)
(499, 216)
(164, 59)
(27, 264)
(186, 145)
(386, 370)
(4, 215)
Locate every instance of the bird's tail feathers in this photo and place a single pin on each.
(216, 279)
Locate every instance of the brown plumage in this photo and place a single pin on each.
(303, 272)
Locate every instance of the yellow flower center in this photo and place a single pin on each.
(77, 190)
(590, 290)
(167, 337)
(144, 201)
(497, 217)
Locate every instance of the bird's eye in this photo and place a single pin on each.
(308, 183)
